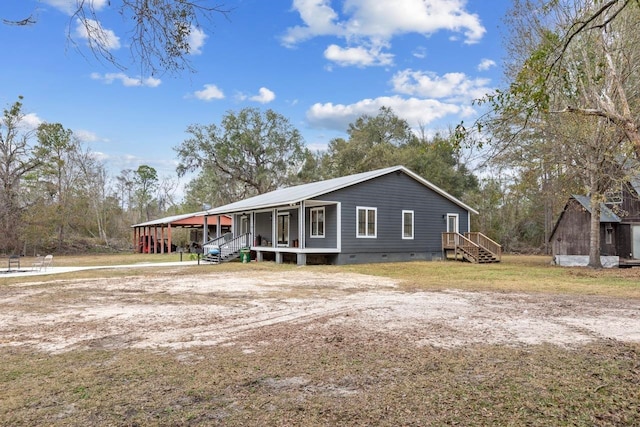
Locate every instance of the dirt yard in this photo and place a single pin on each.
(245, 310)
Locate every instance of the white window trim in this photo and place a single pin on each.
(375, 231)
(324, 223)
(412, 225)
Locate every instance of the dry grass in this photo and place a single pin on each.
(326, 382)
(513, 274)
(346, 378)
(516, 273)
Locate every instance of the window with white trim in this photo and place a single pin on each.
(317, 222)
(366, 225)
(407, 224)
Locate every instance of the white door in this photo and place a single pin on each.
(452, 223)
(635, 234)
(244, 225)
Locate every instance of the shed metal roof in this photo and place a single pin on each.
(298, 193)
(606, 214)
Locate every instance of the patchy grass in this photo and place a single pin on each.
(112, 259)
(304, 379)
(516, 273)
(320, 382)
(513, 274)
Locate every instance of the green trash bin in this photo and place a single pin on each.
(245, 255)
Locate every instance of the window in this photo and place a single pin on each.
(613, 197)
(317, 222)
(283, 229)
(608, 237)
(366, 222)
(407, 224)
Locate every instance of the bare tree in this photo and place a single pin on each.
(160, 30)
(16, 161)
(573, 93)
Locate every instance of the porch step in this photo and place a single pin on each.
(221, 257)
(484, 256)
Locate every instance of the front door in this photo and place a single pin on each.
(635, 235)
(283, 229)
(244, 225)
(452, 223)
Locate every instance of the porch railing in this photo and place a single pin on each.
(227, 245)
(219, 240)
(457, 241)
(483, 241)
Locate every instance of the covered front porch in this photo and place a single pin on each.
(302, 232)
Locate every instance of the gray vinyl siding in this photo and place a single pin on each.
(330, 239)
(391, 194)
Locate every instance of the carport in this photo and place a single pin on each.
(155, 236)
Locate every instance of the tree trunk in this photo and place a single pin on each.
(594, 239)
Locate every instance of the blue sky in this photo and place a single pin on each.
(320, 63)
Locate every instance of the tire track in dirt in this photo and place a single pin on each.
(230, 308)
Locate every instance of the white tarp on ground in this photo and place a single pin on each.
(583, 260)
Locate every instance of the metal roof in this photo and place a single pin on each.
(298, 193)
(176, 218)
(606, 214)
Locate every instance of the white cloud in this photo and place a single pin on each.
(358, 56)
(264, 96)
(318, 17)
(448, 86)
(70, 6)
(376, 22)
(126, 80)
(31, 121)
(485, 64)
(420, 52)
(196, 40)
(86, 136)
(414, 110)
(92, 31)
(209, 92)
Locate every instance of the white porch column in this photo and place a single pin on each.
(274, 229)
(302, 227)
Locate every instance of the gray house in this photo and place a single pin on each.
(385, 215)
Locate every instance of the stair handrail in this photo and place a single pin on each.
(235, 244)
(217, 241)
(485, 242)
(458, 241)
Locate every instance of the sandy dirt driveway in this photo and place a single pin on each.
(178, 312)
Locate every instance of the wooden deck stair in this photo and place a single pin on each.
(472, 247)
(225, 248)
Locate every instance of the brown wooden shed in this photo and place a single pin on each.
(619, 227)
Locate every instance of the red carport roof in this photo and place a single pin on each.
(195, 219)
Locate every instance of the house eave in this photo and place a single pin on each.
(227, 209)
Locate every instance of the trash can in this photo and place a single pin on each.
(245, 255)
